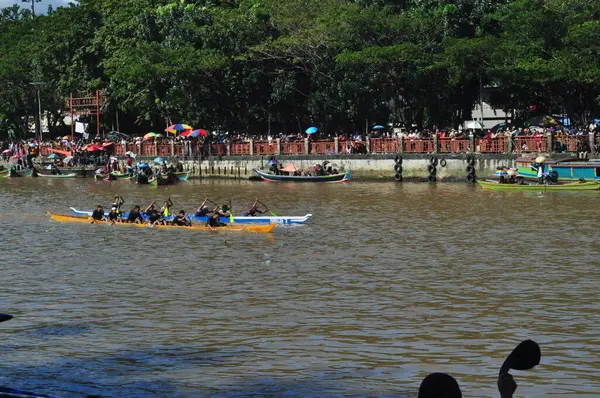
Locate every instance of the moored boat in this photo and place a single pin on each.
(259, 228)
(71, 175)
(183, 175)
(285, 220)
(568, 170)
(340, 177)
(579, 186)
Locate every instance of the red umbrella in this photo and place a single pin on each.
(93, 148)
(195, 133)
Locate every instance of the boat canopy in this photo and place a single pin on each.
(289, 168)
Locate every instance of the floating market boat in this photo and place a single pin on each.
(579, 186)
(230, 227)
(341, 177)
(71, 175)
(285, 220)
(568, 170)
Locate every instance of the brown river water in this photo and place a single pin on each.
(385, 284)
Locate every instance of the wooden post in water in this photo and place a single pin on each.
(592, 143)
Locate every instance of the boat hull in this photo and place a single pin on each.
(576, 186)
(183, 175)
(289, 220)
(342, 177)
(264, 228)
(72, 175)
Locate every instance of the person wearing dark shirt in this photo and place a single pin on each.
(150, 209)
(113, 216)
(213, 222)
(180, 220)
(156, 218)
(135, 216)
(98, 214)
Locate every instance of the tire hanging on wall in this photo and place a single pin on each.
(431, 178)
(471, 177)
(398, 168)
(433, 160)
(443, 162)
(431, 169)
(398, 159)
(398, 177)
(471, 160)
(470, 169)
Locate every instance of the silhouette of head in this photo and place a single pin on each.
(439, 385)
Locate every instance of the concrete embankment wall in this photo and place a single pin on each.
(363, 166)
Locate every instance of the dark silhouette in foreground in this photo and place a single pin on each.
(524, 357)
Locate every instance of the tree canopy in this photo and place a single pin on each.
(239, 65)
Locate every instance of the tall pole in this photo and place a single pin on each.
(72, 116)
(39, 112)
(98, 114)
(481, 99)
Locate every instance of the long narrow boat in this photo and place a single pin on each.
(341, 177)
(118, 175)
(3, 172)
(568, 170)
(285, 220)
(579, 186)
(231, 227)
(6, 392)
(71, 175)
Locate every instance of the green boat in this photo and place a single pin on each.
(576, 186)
(567, 170)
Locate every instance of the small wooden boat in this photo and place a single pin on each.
(14, 393)
(579, 186)
(119, 176)
(3, 172)
(285, 220)
(341, 177)
(183, 175)
(71, 175)
(230, 227)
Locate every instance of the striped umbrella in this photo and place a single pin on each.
(175, 128)
(195, 133)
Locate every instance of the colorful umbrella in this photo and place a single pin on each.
(158, 160)
(178, 127)
(195, 133)
(143, 166)
(311, 130)
(378, 127)
(150, 135)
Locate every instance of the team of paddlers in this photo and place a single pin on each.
(162, 215)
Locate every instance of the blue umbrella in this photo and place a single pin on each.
(311, 130)
(143, 166)
(158, 160)
(378, 127)
(272, 162)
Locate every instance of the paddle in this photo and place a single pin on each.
(439, 385)
(266, 208)
(524, 357)
(5, 317)
(231, 219)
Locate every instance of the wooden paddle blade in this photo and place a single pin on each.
(4, 317)
(525, 356)
(439, 385)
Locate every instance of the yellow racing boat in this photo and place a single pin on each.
(262, 228)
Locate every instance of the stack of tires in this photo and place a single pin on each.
(471, 168)
(432, 168)
(398, 168)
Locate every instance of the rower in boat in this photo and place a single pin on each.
(165, 210)
(203, 210)
(118, 203)
(254, 209)
(223, 211)
(113, 215)
(156, 218)
(213, 222)
(181, 220)
(150, 209)
(98, 214)
(135, 216)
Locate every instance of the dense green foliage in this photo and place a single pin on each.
(237, 64)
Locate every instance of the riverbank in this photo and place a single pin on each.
(450, 167)
(381, 167)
